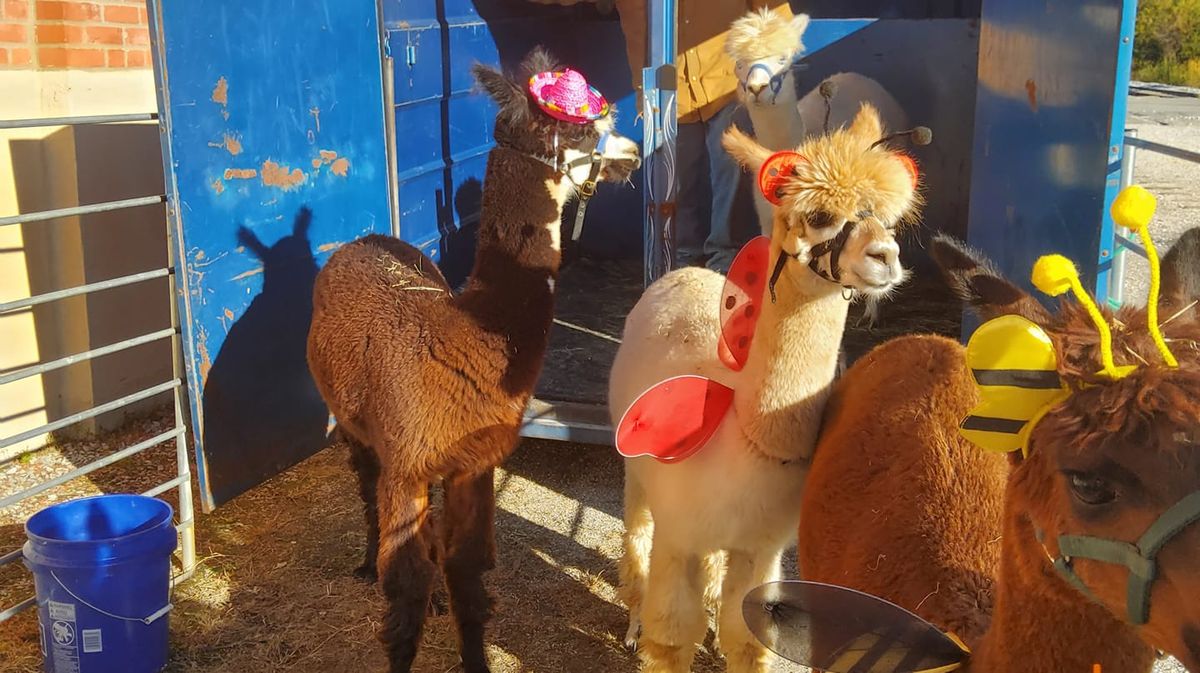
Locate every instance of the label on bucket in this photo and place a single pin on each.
(93, 641)
(64, 645)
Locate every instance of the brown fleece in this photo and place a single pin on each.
(899, 505)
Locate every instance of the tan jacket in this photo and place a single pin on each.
(705, 74)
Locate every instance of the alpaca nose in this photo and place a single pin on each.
(885, 252)
(756, 87)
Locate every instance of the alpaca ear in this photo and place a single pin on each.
(800, 24)
(744, 149)
(1181, 272)
(975, 281)
(250, 240)
(539, 59)
(910, 165)
(775, 172)
(508, 96)
(302, 222)
(867, 125)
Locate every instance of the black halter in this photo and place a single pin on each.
(833, 248)
(563, 169)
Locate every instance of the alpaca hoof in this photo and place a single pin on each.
(366, 573)
(748, 659)
(631, 635)
(659, 658)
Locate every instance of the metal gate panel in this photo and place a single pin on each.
(181, 483)
(274, 114)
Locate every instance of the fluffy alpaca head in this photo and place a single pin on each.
(1115, 455)
(763, 46)
(841, 181)
(522, 126)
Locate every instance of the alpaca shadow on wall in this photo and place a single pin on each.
(460, 231)
(262, 411)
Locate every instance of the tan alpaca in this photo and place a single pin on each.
(764, 47)
(899, 505)
(737, 496)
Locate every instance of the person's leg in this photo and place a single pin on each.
(693, 200)
(734, 218)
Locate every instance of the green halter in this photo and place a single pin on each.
(1139, 559)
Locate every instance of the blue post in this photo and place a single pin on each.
(658, 142)
(1116, 146)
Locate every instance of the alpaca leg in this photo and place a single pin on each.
(405, 570)
(673, 617)
(713, 572)
(366, 466)
(743, 572)
(470, 550)
(635, 561)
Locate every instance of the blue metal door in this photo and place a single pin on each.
(274, 119)
(443, 122)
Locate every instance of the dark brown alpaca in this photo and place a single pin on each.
(899, 505)
(429, 386)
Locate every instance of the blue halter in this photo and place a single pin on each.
(776, 78)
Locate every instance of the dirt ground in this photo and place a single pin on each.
(274, 590)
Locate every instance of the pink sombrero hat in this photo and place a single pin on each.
(566, 95)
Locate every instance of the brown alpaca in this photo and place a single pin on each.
(899, 505)
(429, 386)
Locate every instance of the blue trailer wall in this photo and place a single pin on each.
(1050, 101)
(444, 123)
(275, 141)
(276, 118)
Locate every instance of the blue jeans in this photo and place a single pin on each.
(714, 215)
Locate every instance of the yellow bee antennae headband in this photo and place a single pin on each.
(1055, 275)
(1013, 360)
(1133, 209)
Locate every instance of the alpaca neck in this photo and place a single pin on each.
(1043, 625)
(510, 292)
(778, 126)
(792, 362)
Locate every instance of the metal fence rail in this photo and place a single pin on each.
(1123, 242)
(178, 433)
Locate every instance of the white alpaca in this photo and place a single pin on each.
(764, 47)
(850, 90)
(738, 496)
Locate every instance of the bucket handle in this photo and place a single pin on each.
(145, 620)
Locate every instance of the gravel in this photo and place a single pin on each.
(1171, 120)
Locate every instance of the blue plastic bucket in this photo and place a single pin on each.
(102, 570)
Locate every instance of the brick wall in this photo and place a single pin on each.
(70, 34)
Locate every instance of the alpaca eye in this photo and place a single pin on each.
(821, 220)
(1091, 489)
